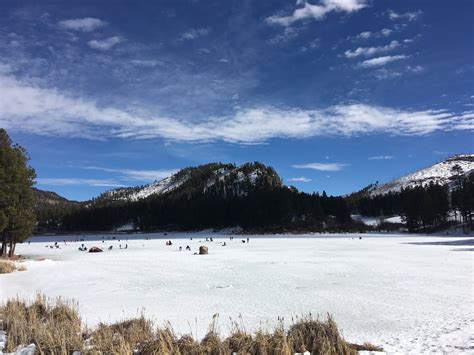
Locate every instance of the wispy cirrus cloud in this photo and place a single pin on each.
(384, 73)
(381, 61)
(86, 24)
(78, 181)
(369, 51)
(33, 109)
(288, 34)
(105, 44)
(195, 33)
(409, 16)
(318, 11)
(385, 32)
(381, 157)
(299, 179)
(321, 166)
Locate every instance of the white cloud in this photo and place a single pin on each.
(384, 73)
(78, 181)
(381, 61)
(365, 35)
(139, 175)
(321, 166)
(382, 157)
(415, 69)
(29, 108)
(105, 44)
(464, 121)
(369, 51)
(195, 33)
(409, 16)
(86, 24)
(305, 10)
(385, 32)
(299, 179)
(146, 62)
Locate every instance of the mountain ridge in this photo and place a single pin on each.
(219, 173)
(220, 178)
(441, 173)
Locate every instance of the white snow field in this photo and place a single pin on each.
(408, 298)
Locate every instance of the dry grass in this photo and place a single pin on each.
(317, 337)
(365, 346)
(6, 267)
(55, 327)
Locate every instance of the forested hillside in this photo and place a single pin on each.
(423, 208)
(209, 196)
(252, 196)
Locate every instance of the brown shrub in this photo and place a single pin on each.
(317, 337)
(6, 267)
(188, 345)
(123, 337)
(260, 344)
(279, 342)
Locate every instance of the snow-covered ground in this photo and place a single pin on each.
(405, 297)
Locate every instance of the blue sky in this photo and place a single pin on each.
(334, 94)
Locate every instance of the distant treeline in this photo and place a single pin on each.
(264, 205)
(423, 208)
(277, 207)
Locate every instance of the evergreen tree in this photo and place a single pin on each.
(17, 218)
(463, 199)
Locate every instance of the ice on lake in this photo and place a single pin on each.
(381, 288)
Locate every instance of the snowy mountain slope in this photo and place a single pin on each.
(441, 173)
(222, 179)
(158, 187)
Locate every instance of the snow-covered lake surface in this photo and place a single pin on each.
(381, 289)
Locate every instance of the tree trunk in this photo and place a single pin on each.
(10, 252)
(14, 247)
(4, 245)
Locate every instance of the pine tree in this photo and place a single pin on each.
(17, 218)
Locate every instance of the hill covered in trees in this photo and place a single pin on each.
(252, 196)
(443, 173)
(50, 209)
(213, 195)
(428, 200)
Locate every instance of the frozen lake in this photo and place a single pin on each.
(381, 288)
